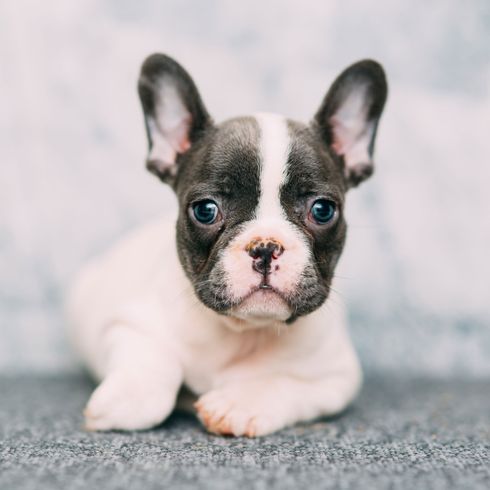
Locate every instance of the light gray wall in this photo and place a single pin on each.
(416, 270)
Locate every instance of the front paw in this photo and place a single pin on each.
(240, 411)
(125, 402)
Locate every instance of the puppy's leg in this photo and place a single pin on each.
(140, 385)
(257, 407)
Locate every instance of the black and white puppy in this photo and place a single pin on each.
(236, 307)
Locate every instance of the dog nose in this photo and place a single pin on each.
(264, 252)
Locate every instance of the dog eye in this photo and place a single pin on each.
(205, 211)
(322, 211)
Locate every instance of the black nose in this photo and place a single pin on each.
(263, 253)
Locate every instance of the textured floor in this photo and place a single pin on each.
(401, 433)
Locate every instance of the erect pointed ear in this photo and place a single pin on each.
(349, 115)
(175, 115)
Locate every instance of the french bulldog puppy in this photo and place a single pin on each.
(234, 302)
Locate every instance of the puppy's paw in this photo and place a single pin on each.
(125, 402)
(240, 411)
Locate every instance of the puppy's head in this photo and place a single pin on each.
(261, 224)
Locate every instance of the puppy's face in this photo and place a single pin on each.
(261, 223)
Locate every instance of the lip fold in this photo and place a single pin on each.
(264, 288)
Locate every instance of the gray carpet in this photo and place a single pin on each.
(401, 433)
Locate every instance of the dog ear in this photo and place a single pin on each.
(349, 114)
(175, 115)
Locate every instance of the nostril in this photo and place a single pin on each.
(277, 249)
(255, 252)
(263, 252)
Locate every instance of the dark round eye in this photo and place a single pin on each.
(205, 211)
(322, 211)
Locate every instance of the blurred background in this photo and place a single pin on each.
(416, 271)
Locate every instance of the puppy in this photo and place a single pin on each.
(237, 306)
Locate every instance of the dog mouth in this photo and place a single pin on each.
(261, 304)
(264, 288)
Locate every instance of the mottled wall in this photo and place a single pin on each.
(416, 271)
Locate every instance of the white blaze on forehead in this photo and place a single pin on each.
(274, 147)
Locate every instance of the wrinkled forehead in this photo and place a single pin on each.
(263, 158)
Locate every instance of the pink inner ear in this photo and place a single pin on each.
(178, 136)
(342, 136)
(185, 145)
(351, 130)
(351, 138)
(337, 147)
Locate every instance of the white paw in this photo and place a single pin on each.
(241, 411)
(126, 402)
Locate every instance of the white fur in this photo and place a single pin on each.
(274, 150)
(142, 331)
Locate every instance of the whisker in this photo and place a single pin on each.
(337, 276)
